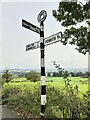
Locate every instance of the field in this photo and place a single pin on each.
(61, 103)
(57, 82)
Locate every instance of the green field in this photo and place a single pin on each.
(57, 82)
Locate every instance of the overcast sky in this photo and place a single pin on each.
(15, 38)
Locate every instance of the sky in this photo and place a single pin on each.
(14, 38)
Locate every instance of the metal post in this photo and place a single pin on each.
(43, 84)
(41, 18)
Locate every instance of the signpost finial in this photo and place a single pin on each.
(42, 16)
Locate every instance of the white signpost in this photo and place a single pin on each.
(32, 46)
(41, 44)
(47, 41)
(53, 38)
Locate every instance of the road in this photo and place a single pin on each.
(7, 113)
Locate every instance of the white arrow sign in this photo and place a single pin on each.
(30, 26)
(32, 46)
(47, 41)
(53, 38)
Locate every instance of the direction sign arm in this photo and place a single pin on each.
(30, 26)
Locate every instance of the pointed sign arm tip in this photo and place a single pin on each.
(30, 26)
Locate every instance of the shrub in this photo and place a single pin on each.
(64, 103)
(33, 76)
(6, 77)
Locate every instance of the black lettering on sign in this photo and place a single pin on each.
(58, 36)
(50, 39)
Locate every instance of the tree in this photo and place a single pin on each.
(55, 74)
(71, 15)
(59, 69)
(49, 74)
(33, 76)
(6, 76)
(66, 73)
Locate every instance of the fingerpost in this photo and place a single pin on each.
(41, 18)
(41, 44)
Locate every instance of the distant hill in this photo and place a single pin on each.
(47, 70)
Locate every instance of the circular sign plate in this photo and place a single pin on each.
(42, 16)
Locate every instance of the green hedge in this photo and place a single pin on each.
(60, 104)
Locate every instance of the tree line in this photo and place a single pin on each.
(32, 76)
(68, 74)
(61, 72)
(35, 76)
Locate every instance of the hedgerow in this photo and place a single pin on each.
(65, 103)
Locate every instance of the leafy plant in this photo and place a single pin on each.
(71, 15)
(6, 77)
(33, 76)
